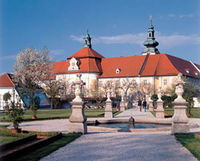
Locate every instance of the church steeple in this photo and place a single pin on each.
(87, 39)
(151, 43)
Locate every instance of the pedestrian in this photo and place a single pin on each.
(144, 105)
(140, 105)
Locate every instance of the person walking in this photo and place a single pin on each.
(140, 105)
(144, 105)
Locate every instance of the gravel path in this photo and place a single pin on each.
(122, 147)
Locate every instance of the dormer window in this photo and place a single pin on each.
(73, 64)
(187, 70)
(118, 70)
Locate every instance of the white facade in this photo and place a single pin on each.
(89, 78)
(14, 95)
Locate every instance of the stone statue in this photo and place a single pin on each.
(180, 119)
(77, 120)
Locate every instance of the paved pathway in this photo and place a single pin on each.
(107, 146)
(122, 147)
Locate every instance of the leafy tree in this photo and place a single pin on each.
(167, 100)
(6, 98)
(15, 112)
(36, 105)
(190, 91)
(154, 97)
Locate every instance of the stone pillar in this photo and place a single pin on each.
(179, 119)
(122, 104)
(159, 110)
(108, 109)
(150, 104)
(77, 120)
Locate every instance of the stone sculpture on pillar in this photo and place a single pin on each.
(108, 109)
(180, 119)
(160, 109)
(77, 120)
(123, 103)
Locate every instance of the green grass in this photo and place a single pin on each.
(191, 142)
(57, 114)
(7, 139)
(6, 135)
(44, 151)
(195, 112)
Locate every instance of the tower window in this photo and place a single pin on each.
(149, 34)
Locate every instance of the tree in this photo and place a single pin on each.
(54, 90)
(15, 113)
(31, 67)
(36, 105)
(167, 100)
(154, 97)
(6, 98)
(190, 91)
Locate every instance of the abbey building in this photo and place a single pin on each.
(149, 68)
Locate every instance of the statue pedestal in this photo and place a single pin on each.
(150, 105)
(160, 111)
(180, 119)
(122, 106)
(77, 120)
(108, 110)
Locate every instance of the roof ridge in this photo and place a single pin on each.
(143, 65)
(166, 55)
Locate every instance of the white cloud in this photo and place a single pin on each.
(165, 41)
(190, 15)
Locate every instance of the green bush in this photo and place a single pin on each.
(15, 114)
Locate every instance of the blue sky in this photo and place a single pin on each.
(118, 27)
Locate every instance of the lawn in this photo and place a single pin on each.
(7, 139)
(44, 151)
(58, 114)
(191, 142)
(195, 112)
(6, 136)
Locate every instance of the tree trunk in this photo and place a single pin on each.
(51, 103)
(31, 100)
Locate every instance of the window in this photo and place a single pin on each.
(145, 82)
(118, 70)
(165, 82)
(117, 83)
(100, 84)
(149, 34)
(187, 70)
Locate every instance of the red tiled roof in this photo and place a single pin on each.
(5, 81)
(132, 66)
(87, 65)
(183, 66)
(129, 66)
(156, 65)
(86, 52)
